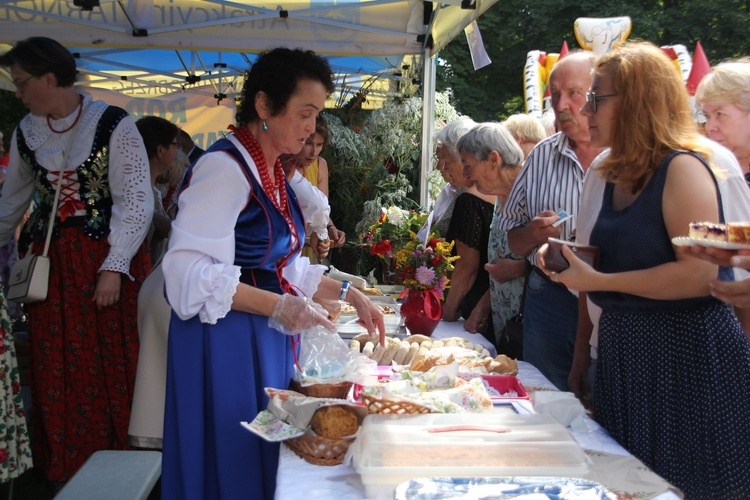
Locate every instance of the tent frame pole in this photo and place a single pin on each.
(428, 124)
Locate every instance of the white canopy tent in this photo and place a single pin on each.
(152, 46)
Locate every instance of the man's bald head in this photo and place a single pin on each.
(569, 81)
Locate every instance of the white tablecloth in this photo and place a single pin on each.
(456, 329)
(614, 465)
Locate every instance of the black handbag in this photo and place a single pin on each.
(511, 338)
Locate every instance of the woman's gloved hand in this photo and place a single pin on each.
(293, 315)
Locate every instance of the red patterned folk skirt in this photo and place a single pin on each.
(83, 361)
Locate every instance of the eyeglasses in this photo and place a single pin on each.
(21, 84)
(592, 99)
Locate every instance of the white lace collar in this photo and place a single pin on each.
(36, 131)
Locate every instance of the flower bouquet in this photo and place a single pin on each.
(393, 229)
(424, 269)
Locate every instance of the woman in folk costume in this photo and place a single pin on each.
(83, 337)
(239, 289)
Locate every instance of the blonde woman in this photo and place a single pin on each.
(724, 97)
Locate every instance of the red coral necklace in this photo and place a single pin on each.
(281, 201)
(78, 116)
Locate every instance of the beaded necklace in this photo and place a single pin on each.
(281, 202)
(78, 116)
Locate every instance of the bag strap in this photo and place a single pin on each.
(53, 211)
(525, 287)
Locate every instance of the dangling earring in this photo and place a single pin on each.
(265, 126)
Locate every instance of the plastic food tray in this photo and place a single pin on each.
(557, 488)
(392, 449)
(505, 385)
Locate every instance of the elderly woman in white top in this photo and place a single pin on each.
(449, 165)
(724, 97)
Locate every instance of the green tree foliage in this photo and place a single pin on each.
(512, 28)
(11, 112)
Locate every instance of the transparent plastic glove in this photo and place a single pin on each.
(293, 315)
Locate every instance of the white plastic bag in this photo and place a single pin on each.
(324, 358)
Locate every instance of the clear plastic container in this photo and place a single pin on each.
(391, 449)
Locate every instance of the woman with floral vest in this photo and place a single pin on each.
(83, 337)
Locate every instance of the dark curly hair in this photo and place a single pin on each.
(276, 73)
(40, 55)
(156, 131)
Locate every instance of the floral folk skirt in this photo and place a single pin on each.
(83, 361)
(15, 451)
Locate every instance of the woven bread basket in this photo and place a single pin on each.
(336, 391)
(393, 407)
(319, 450)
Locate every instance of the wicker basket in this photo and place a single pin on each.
(336, 391)
(393, 407)
(320, 450)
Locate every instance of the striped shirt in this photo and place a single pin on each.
(551, 179)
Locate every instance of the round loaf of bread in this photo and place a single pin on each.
(334, 422)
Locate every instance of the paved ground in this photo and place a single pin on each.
(31, 485)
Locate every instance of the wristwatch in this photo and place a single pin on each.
(344, 290)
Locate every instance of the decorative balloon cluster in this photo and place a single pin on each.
(601, 35)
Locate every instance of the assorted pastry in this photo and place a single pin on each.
(347, 308)
(421, 353)
(731, 232)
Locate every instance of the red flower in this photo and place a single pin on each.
(16, 386)
(3, 455)
(391, 166)
(408, 272)
(433, 243)
(436, 260)
(382, 217)
(381, 248)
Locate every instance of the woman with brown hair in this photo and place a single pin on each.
(668, 351)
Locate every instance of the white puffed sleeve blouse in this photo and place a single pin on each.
(129, 178)
(199, 269)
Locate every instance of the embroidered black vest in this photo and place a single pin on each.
(93, 177)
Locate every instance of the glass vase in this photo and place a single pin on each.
(421, 311)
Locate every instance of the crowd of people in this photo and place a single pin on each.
(177, 280)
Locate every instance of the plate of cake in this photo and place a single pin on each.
(729, 236)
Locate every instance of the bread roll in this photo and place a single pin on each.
(368, 349)
(363, 338)
(400, 355)
(390, 351)
(354, 345)
(377, 354)
(334, 422)
(413, 350)
(417, 338)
